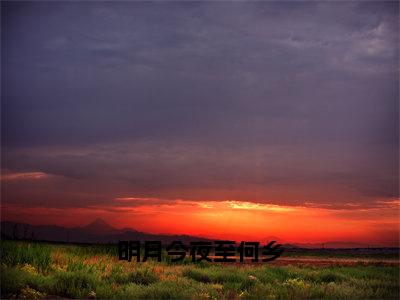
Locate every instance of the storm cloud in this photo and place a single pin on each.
(282, 103)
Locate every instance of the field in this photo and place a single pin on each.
(44, 270)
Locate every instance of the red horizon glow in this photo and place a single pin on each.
(238, 220)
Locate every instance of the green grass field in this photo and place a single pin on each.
(39, 270)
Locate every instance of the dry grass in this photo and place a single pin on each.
(74, 272)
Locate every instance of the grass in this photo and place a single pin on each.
(37, 270)
(37, 255)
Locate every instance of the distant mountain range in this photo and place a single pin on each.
(100, 231)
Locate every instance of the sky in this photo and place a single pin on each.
(218, 119)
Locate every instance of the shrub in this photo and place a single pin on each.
(12, 281)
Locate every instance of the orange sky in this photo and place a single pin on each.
(231, 219)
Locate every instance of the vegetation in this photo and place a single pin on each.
(36, 270)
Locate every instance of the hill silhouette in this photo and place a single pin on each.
(98, 231)
(99, 227)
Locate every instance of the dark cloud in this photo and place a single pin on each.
(199, 100)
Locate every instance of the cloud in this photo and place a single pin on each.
(258, 102)
(283, 175)
(6, 175)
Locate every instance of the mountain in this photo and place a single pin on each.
(99, 227)
(97, 231)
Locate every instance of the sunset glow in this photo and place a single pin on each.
(233, 220)
(220, 119)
